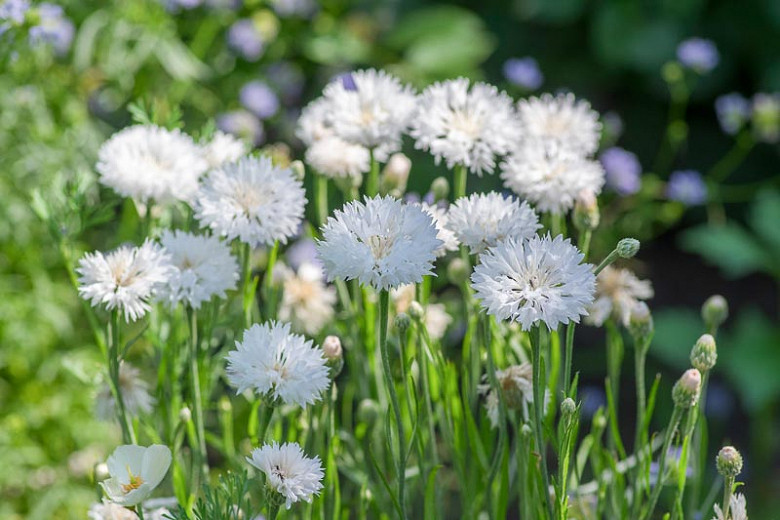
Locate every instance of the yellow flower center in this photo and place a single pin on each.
(135, 482)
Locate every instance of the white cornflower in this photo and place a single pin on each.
(465, 127)
(562, 118)
(307, 303)
(314, 122)
(483, 220)
(148, 163)
(617, 291)
(125, 279)
(737, 508)
(373, 109)
(135, 472)
(540, 279)
(135, 394)
(336, 158)
(289, 471)
(550, 176)
(251, 200)
(440, 218)
(223, 148)
(106, 510)
(382, 242)
(273, 361)
(204, 267)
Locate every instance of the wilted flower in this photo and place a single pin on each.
(260, 99)
(135, 395)
(617, 291)
(307, 302)
(523, 72)
(245, 38)
(271, 360)
(135, 472)
(289, 471)
(562, 118)
(733, 112)
(687, 186)
(222, 148)
(698, 54)
(622, 170)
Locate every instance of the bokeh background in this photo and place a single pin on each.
(69, 74)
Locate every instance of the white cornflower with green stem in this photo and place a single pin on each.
(561, 118)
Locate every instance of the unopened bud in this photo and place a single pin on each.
(568, 407)
(526, 431)
(685, 393)
(715, 311)
(402, 321)
(672, 72)
(101, 472)
(729, 462)
(416, 310)
(440, 188)
(185, 415)
(627, 247)
(640, 323)
(586, 211)
(298, 169)
(599, 421)
(331, 348)
(704, 353)
(396, 174)
(458, 271)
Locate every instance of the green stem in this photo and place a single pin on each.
(733, 158)
(114, 363)
(659, 483)
(139, 510)
(197, 398)
(728, 487)
(611, 257)
(461, 177)
(491, 370)
(321, 198)
(584, 242)
(264, 420)
(249, 285)
(538, 391)
(569, 353)
(269, 289)
(372, 184)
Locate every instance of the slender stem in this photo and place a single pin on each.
(321, 197)
(372, 184)
(723, 168)
(114, 364)
(614, 362)
(139, 510)
(250, 284)
(640, 436)
(728, 488)
(607, 261)
(538, 391)
(491, 370)
(569, 353)
(461, 177)
(197, 398)
(584, 242)
(659, 483)
(264, 420)
(269, 289)
(273, 510)
(384, 300)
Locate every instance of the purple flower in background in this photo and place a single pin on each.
(412, 198)
(12, 12)
(175, 5)
(288, 80)
(347, 81)
(260, 99)
(302, 251)
(699, 54)
(523, 72)
(243, 124)
(622, 170)
(593, 398)
(245, 38)
(720, 401)
(300, 8)
(673, 460)
(733, 111)
(687, 186)
(53, 28)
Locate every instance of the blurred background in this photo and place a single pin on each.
(68, 73)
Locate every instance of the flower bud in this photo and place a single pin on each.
(586, 211)
(458, 271)
(672, 72)
(440, 188)
(331, 348)
(101, 472)
(368, 411)
(599, 421)
(715, 311)
(640, 323)
(686, 390)
(402, 322)
(185, 415)
(704, 353)
(396, 174)
(729, 462)
(568, 407)
(298, 169)
(416, 310)
(526, 431)
(627, 247)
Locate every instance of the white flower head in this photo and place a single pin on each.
(271, 360)
(551, 176)
(737, 509)
(536, 280)
(483, 220)
(440, 217)
(465, 126)
(335, 158)
(516, 385)
(106, 510)
(223, 148)
(617, 291)
(204, 268)
(147, 162)
(307, 302)
(562, 118)
(374, 110)
(314, 122)
(289, 471)
(135, 472)
(252, 200)
(135, 394)
(125, 279)
(381, 242)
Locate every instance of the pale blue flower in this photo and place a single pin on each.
(733, 111)
(523, 72)
(259, 99)
(698, 54)
(622, 170)
(687, 186)
(245, 38)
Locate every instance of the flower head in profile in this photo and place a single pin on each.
(617, 291)
(271, 360)
(204, 268)
(135, 472)
(289, 471)
(483, 220)
(223, 148)
(125, 279)
(737, 509)
(468, 125)
(251, 200)
(374, 109)
(147, 162)
(540, 280)
(135, 394)
(307, 302)
(550, 175)
(381, 242)
(440, 217)
(562, 118)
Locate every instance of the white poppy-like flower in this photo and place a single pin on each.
(307, 302)
(533, 281)
(562, 118)
(271, 360)
(223, 148)
(440, 218)
(135, 472)
(617, 291)
(289, 471)
(135, 394)
(381, 242)
(125, 279)
(373, 109)
(550, 176)
(148, 163)
(252, 200)
(204, 268)
(737, 509)
(482, 220)
(465, 126)
(335, 158)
